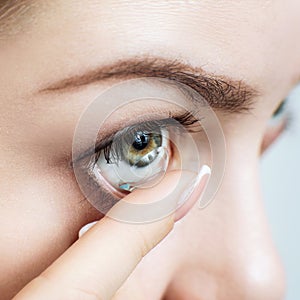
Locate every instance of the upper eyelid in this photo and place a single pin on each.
(105, 141)
(186, 117)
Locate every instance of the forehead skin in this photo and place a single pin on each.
(251, 40)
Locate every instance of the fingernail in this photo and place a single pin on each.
(206, 184)
(185, 195)
(85, 228)
(192, 194)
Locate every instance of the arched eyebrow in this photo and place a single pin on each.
(221, 92)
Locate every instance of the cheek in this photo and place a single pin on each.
(40, 217)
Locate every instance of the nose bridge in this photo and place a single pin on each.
(231, 256)
(252, 263)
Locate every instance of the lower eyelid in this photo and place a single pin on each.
(102, 183)
(101, 194)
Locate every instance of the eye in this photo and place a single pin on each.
(139, 155)
(135, 157)
(280, 110)
(276, 126)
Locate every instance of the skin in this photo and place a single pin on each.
(222, 252)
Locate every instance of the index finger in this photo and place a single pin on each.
(98, 263)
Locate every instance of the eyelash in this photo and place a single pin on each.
(113, 152)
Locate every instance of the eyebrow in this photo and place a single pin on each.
(17, 15)
(221, 92)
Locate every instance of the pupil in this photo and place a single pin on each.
(141, 141)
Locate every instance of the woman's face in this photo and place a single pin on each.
(222, 252)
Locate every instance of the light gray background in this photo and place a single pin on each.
(280, 171)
